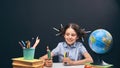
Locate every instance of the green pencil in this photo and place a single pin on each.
(49, 53)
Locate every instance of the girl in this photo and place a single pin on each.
(71, 51)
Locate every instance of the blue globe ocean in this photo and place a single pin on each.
(100, 41)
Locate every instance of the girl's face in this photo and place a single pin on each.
(70, 36)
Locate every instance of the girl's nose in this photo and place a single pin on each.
(70, 36)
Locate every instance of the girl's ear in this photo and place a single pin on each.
(77, 38)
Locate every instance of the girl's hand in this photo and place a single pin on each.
(48, 63)
(67, 61)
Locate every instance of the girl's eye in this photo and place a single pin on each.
(67, 34)
(70, 34)
(73, 34)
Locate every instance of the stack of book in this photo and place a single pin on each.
(21, 63)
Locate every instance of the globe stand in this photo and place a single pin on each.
(97, 59)
(98, 62)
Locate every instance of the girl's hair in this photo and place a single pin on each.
(80, 32)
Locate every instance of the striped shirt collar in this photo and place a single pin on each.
(71, 46)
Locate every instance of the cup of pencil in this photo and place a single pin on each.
(28, 53)
(29, 48)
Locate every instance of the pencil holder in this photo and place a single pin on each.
(28, 53)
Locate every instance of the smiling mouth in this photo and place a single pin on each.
(69, 40)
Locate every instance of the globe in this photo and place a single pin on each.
(100, 41)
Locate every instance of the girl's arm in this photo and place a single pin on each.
(87, 59)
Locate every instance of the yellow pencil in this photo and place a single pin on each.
(65, 54)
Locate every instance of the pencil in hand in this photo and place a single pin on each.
(65, 56)
(48, 53)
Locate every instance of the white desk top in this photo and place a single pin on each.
(60, 65)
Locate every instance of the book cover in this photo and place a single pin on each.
(30, 63)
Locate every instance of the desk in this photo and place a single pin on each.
(60, 65)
